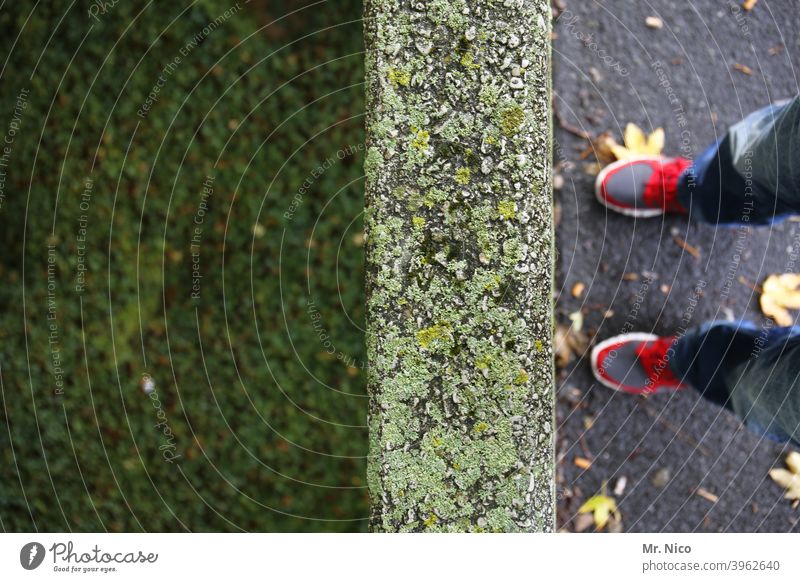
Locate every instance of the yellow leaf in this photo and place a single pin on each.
(602, 507)
(636, 143)
(621, 152)
(634, 138)
(779, 294)
(655, 142)
(793, 462)
(788, 480)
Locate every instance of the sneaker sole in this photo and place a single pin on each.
(634, 212)
(625, 337)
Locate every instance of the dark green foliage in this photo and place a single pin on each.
(267, 423)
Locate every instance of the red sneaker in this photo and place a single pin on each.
(642, 187)
(635, 363)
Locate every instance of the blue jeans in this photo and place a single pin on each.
(751, 176)
(753, 371)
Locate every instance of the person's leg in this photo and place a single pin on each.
(752, 175)
(753, 371)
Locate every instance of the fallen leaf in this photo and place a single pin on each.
(707, 495)
(749, 4)
(576, 317)
(747, 283)
(789, 479)
(660, 478)
(776, 50)
(583, 463)
(562, 350)
(637, 143)
(654, 22)
(615, 526)
(569, 341)
(592, 169)
(743, 68)
(583, 522)
(779, 294)
(602, 507)
(793, 462)
(694, 251)
(630, 277)
(602, 147)
(577, 289)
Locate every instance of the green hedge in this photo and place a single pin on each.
(256, 421)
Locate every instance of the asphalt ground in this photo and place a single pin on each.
(688, 465)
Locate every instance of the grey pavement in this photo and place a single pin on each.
(689, 77)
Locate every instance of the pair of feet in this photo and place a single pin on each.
(638, 363)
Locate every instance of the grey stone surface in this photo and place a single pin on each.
(604, 77)
(460, 265)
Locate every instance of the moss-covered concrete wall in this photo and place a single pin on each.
(460, 265)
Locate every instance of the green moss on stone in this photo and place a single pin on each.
(420, 140)
(511, 119)
(399, 77)
(372, 163)
(507, 209)
(432, 334)
(463, 176)
(468, 61)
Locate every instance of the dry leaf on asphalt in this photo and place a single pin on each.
(694, 251)
(602, 508)
(619, 488)
(583, 522)
(749, 4)
(793, 462)
(779, 294)
(706, 494)
(602, 148)
(569, 342)
(654, 22)
(636, 143)
(789, 478)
